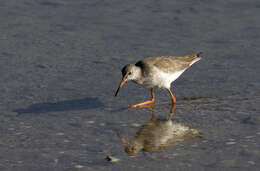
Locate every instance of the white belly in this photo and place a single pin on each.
(162, 80)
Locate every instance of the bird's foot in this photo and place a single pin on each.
(144, 104)
(133, 106)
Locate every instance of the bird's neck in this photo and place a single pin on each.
(138, 74)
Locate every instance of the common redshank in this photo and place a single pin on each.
(157, 72)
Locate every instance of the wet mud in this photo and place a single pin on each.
(60, 66)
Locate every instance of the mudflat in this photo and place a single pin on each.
(60, 65)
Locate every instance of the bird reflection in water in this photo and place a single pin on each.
(158, 135)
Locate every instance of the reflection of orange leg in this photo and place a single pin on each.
(173, 100)
(172, 111)
(143, 103)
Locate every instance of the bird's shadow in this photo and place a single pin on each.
(66, 105)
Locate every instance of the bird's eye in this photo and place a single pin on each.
(130, 73)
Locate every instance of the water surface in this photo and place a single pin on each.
(60, 65)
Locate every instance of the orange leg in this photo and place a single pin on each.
(144, 103)
(173, 100)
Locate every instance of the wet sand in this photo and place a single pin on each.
(60, 65)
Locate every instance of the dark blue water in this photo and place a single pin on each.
(60, 65)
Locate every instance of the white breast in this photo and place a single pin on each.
(164, 80)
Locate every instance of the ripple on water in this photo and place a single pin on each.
(230, 143)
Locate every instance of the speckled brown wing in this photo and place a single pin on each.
(168, 64)
(171, 64)
(149, 64)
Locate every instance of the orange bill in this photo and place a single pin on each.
(121, 85)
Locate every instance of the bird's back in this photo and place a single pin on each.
(168, 64)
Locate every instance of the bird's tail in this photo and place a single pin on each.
(198, 54)
(196, 57)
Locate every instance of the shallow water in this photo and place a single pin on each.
(60, 65)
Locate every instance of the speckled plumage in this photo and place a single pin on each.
(167, 64)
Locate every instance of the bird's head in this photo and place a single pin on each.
(129, 72)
